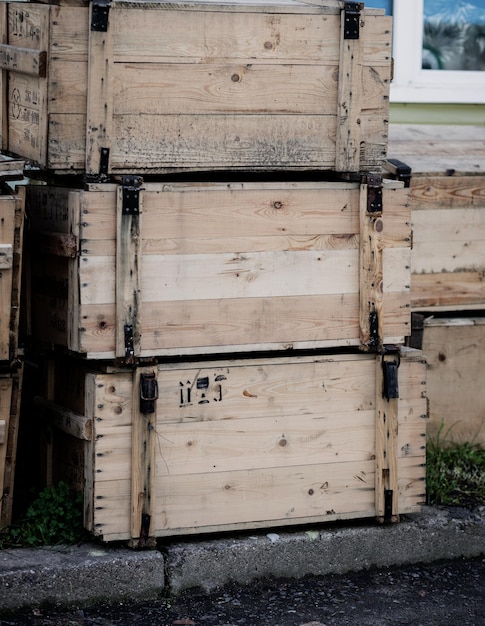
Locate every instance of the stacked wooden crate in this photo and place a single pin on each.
(11, 368)
(219, 194)
(448, 268)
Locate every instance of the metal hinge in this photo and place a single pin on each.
(400, 170)
(390, 368)
(131, 186)
(100, 15)
(374, 331)
(388, 504)
(148, 392)
(352, 19)
(374, 193)
(129, 344)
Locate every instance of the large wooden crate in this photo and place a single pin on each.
(184, 269)
(237, 444)
(448, 214)
(152, 87)
(11, 241)
(455, 352)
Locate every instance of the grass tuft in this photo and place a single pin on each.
(455, 472)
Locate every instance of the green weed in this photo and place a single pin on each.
(54, 517)
(455, 472)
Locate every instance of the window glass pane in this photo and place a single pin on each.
(454, 35)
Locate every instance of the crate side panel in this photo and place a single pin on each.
(455, 354)
(7, 233)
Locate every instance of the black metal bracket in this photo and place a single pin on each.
(129, 343)
(374, 193)
(352, 19)
(373, 331)
(388, 502)
(131, 186)
(148, 392)
(390, 368)
(400, 170)
(100, 15)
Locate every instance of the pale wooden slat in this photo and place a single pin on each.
(25, 60)
(386, 431)
(72, 423)
(100, 102)
(349, 102)
(168, 278)
(440, 192)
(127, 281)
(456, 224)
(455, 290)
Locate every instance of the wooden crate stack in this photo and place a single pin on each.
(11, 366)
(448, 269)
(220, 259)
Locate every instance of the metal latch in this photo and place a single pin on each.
(148, 392)
(131, 186)
(390, 373)
(100, 15)
(352, 19)
(374, 193)
(400, 170)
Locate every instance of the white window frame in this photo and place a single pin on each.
(413, 84)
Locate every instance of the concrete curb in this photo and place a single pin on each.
(92, 573)
(432, 535)
(78, 575)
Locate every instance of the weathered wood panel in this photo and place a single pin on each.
(251, 87)
(454, 347)
(448, 214)
(213, 267)
(249, 443)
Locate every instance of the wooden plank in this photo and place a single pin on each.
(370, 272)
(254, 497)
(24, 60)
(3, 81)
(455, 391)
(186, 328)
(439, 150)
(100, 101)
(69, 422)
(6, 384)
(387, 411)
(169, 278)
(243, 35)
(143, 429)
(448, 291)
(8, 451)
(447, 192)
(128, 283)
(27, 95)
(7, 232)
(349, 104)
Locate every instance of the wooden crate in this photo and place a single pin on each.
(245, 443)
(11, 241)
(455, 351)
(208, 268)
(10, 395)
(448, 214)
(164, 86)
